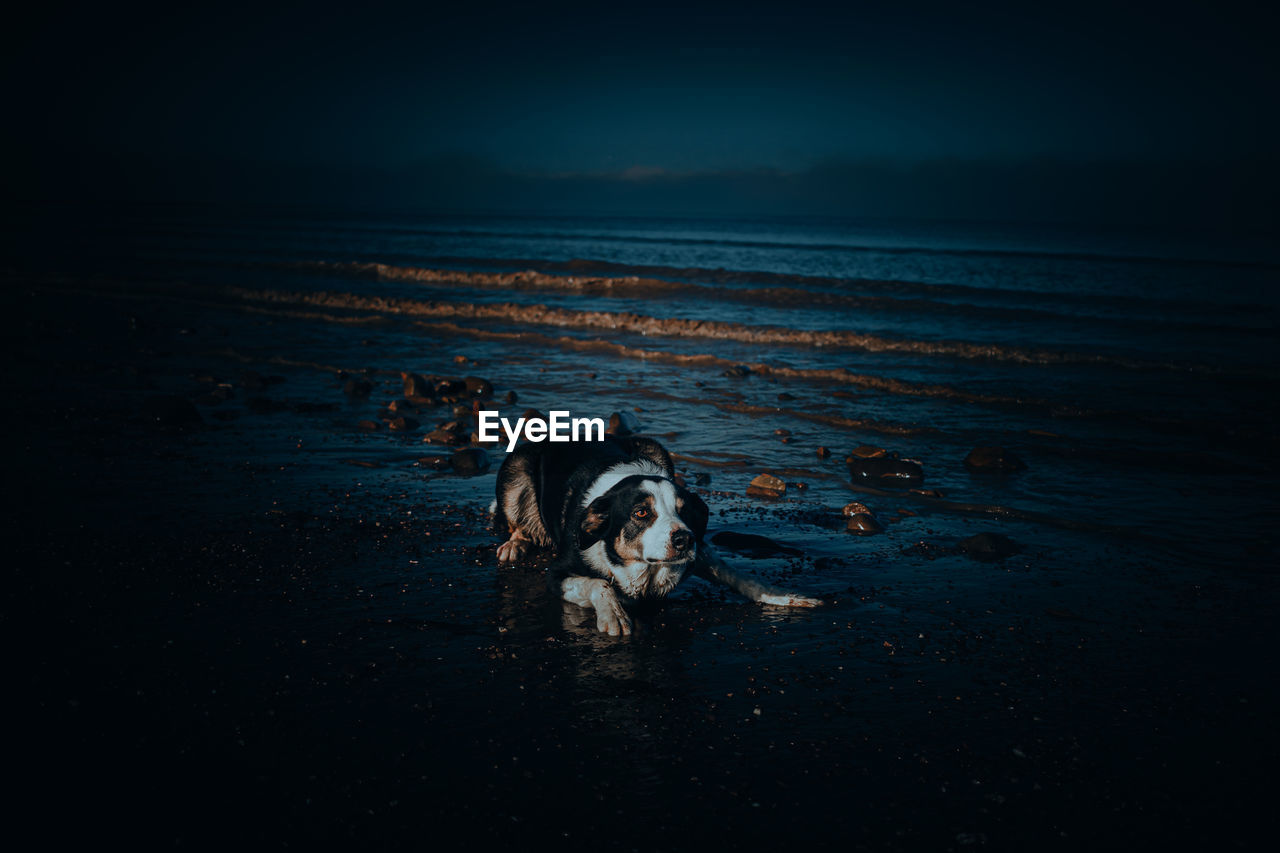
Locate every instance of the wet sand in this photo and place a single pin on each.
(262, 625)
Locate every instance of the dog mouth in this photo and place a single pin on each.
(659, 579)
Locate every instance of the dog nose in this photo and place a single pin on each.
(682, 540)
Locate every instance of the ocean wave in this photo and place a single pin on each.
(641, 324)
(604, 278)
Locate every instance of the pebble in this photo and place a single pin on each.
(478, 387)
(444, 436)
(766, 486)
(886, 471)
(864, 524)
(402, 424)
(823, 453)
(623, 423)
(989, 547)
(415, 385)
(993, 460)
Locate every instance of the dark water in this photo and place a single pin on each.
(1105, 681)
(1129, 369)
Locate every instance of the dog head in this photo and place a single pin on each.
(644, 534)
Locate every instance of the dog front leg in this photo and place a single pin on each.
(709, 565)
(598, 595)
(515, 548)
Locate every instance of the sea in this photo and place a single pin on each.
(1133, 372)
(1075, 650)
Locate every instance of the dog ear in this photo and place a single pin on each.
(694, 513)
(595, 524)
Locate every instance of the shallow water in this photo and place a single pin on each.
(1117, 651)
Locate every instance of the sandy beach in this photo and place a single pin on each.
(252, 605)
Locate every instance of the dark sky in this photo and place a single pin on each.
(1071, 111)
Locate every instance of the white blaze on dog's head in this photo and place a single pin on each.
(667, 537)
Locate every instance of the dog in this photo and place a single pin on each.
(622, 529)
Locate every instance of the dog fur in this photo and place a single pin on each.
(622, 529)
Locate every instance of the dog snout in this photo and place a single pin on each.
(682, 540)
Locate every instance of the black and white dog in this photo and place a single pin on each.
(623, 530)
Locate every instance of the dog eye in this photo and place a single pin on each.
(640, 512)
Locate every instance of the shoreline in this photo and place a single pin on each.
(287, 647)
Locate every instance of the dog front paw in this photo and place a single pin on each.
(611, 618)
(512, 550)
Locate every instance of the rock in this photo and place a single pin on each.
(844, 395)
(751, 544)
(782, 431)
(856, 508)
(865, 451)
(399, 406)
(864, 524)
(928, 493)
(701, 478)
(472, 460)
(886, 471)
(737, 371)
(435, 463)
(784, 396)
(445, 387)
(823, 453)
(989, 547)
(445, 436)
(511, 397)
(993, 460)
(171, 412)
(766, 486)
(402, 424)
(357, 387)
(460, 359)
(623, 423)
(415, 385)
(369, 426)
(419, 402)
(478, 387)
